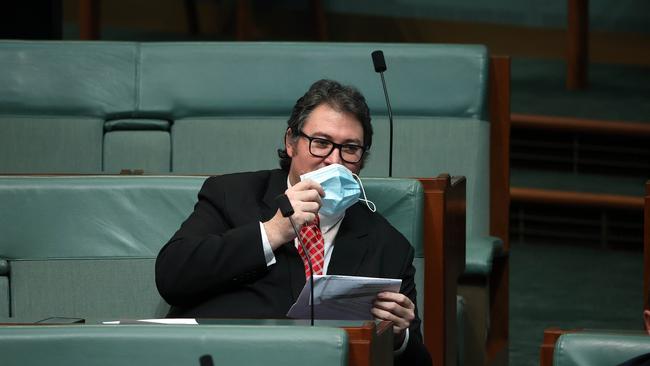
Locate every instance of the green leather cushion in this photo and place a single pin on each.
(401, 202)
(598, 349)
(53, 144)
(173, 345)
(199, 79)
(68, 78)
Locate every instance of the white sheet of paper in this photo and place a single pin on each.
(184, 321)
(341, 297)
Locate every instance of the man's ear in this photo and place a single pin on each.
(646, 320)
(289, 142)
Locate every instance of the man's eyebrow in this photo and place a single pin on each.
(328, 137)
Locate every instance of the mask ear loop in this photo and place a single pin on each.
(365, 199)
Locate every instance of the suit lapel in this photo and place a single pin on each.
(287, 253)
(277, 185)
(351, 242)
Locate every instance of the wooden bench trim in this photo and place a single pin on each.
(444, 258)
(499, 109)
(556, 197)
(646, 248)
(547, 347)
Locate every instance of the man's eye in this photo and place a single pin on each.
(322, 143)
(351, 149)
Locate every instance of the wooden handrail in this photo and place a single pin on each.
(571, 124)
(549, 196)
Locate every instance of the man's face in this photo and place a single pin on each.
(327, 123)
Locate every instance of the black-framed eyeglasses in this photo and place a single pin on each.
(322, 148)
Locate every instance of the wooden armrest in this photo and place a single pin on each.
(548, 344)
(444, 258)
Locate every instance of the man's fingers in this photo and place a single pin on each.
(399, 324)
(310, 195)
(396, 297)
(395, 309)
(308, 185)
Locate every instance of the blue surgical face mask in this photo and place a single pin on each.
(341, 188)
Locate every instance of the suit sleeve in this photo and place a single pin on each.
(209, 253)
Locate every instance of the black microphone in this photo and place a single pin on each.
(206, 360)
(287, 210)
(380, 66)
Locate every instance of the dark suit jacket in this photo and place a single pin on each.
(214, 265)
(642, 360)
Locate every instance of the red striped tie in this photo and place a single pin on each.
(312, 237)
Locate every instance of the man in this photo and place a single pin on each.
(236, 256)
(644, 359)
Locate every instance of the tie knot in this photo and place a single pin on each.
(316, 221)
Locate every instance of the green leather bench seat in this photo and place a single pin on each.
(598, 349)
(104, 345)
(219, 107)
(92, 239)
(85, 246)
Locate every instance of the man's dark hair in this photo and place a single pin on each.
(342, 98)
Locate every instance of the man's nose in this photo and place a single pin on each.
(334, 157)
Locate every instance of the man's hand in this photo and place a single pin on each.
(305, 198)
(395, 307)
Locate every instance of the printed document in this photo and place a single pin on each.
(342, 297)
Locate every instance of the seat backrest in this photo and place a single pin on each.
(54, 99)
(85, 246)
(598, 349)
(104, 345)
(221, 107)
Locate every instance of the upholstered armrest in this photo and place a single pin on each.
(4, 267)
(137, 124)
(480, 253)
(599, 349)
